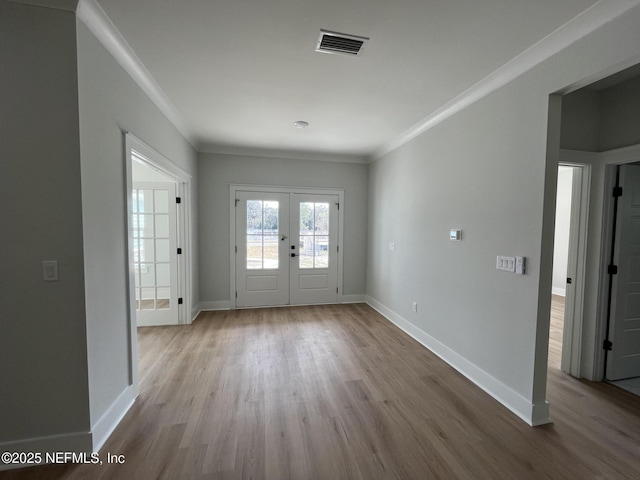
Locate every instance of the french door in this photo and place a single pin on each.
(286, 248)
(154, 253)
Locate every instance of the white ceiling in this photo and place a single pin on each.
(240, 72)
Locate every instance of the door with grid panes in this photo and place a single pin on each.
(286, 249)
(262, 249)
(155, 253)
(314, 268)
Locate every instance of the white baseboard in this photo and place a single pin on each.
(559, 291)
(354, 299)
(216, 305)
(112, 417)
(532, 414)
(70, 442)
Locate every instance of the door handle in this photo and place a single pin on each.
(569, 280)
(283, 237)
(293, 255)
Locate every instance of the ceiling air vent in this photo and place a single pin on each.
(340, 43)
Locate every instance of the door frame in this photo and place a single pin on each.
(611, 159)
(233, 188)
(576, 268)
(155, 160)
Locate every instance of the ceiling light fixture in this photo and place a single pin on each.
(300, 124)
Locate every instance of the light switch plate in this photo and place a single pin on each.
(508, 264)
(50, 270)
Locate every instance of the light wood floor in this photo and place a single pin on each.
(337, 392)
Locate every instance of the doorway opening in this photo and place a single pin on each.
(158, 212)
(622, 330)
(569, 259)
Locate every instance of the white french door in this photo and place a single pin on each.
(314, 268)
(155, 253)
(262, 249)
(286, 248)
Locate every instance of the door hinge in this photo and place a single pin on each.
(179, 251)
(607, 345)
(180, 301)
(569, 281)
(236, 249)
(337, 248)
(178, 200)
(338, 205)
(612, 269)
(237, 201)
(336, 289)
(236, 294)
(617, 192)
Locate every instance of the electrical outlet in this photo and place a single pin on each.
(392, 246)
(415, 307)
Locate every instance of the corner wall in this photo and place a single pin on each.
(487, 170)
(111, 103)
(44, 393)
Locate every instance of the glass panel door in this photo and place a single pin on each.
(262, 236)
(154, 255)
(314, 269)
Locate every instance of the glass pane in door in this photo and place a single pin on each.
(262, 235)
(151, 254)
(314, 235)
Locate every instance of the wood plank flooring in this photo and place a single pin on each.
(337, 392)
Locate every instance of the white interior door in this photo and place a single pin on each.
(155, 253)
(314, 258)
(262, 249)
(623, 361)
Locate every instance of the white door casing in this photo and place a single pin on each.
(623, 361)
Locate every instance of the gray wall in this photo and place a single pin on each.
(64, 345)
(620, 115)
(110, 103)
(596, 121)
(488, 171)
(217, 171)
(43, 366)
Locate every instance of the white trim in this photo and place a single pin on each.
(233, 188)
(621, 156)
(70, 442)
(263, 153)
(214, 306)
(533, 414)
(591, 19)
(97, 21)
(112, 417)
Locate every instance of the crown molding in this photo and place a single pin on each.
(97, 21)
(591, 19)
(282, 154)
